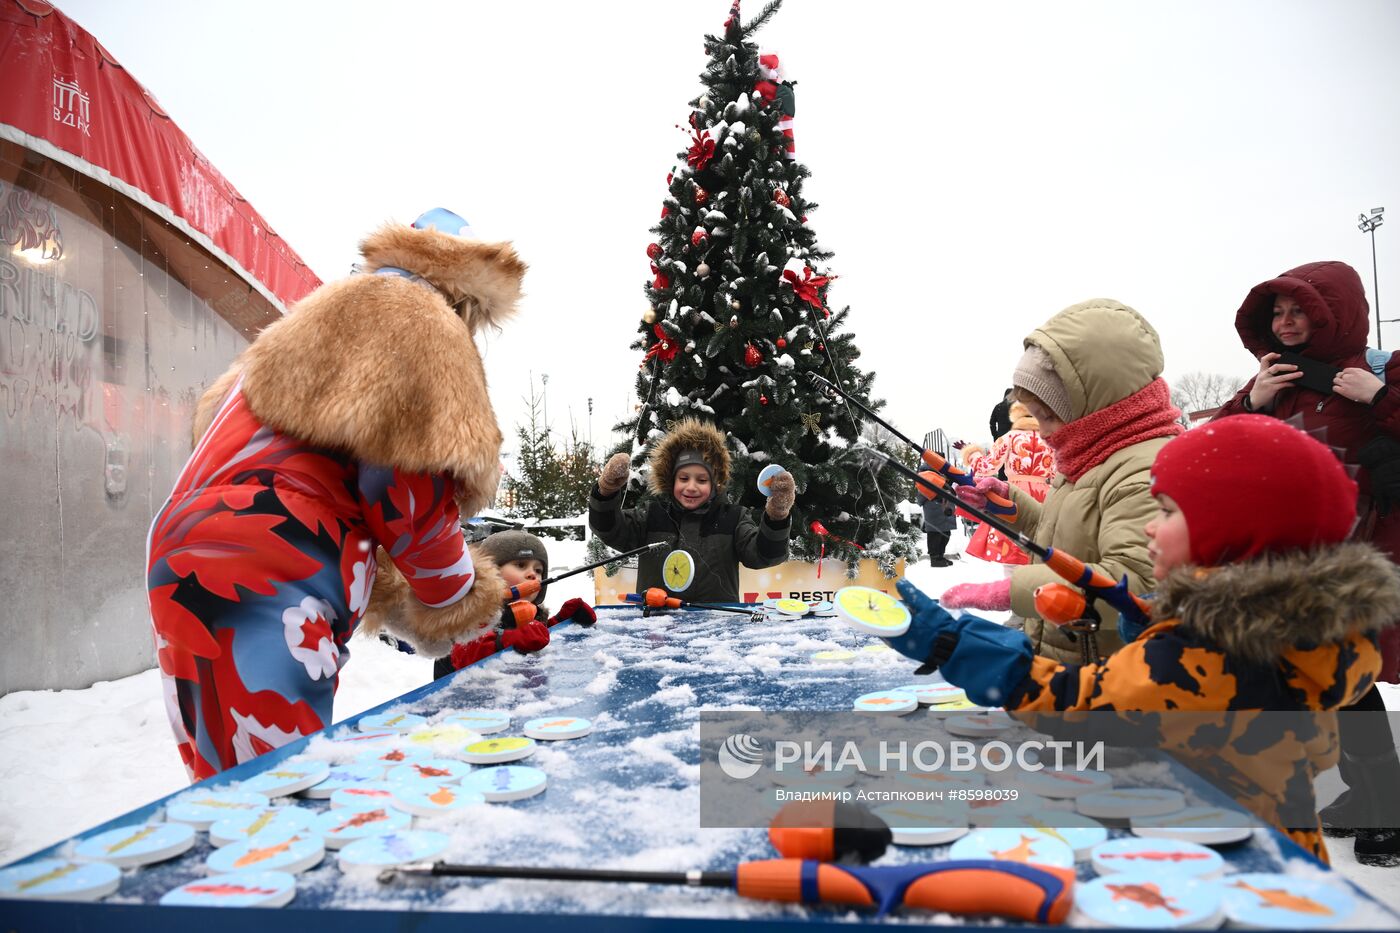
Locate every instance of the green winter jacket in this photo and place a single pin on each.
(1103, 351)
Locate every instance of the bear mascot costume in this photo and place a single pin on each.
(332, 465)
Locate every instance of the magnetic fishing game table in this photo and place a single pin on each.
(623, 796)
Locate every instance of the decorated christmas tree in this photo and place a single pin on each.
(738, 316)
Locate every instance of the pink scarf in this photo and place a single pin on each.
(1086, 442)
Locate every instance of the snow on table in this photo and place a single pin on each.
(624, 796)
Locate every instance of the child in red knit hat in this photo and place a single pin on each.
(1262, 604)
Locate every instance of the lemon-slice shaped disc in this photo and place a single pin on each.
(791, 607)
(678, 571)
(765, 477)
(871, 611)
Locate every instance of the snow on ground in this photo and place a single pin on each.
(124, 755)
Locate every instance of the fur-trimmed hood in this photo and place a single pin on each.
(1022, 419)
(688, 434)
(1258, 610)
(480, 281)
(381, 367)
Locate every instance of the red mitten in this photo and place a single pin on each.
(993, 597)
(532, 636)
(576, 611)
(464, 653)
(976, 496)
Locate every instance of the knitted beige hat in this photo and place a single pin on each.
(1036, 374)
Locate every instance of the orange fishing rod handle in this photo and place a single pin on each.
(1059, 604)
(934, 461)
(1074, 570)
(936, 479)
(523, 611)
(523, 590)
(814, 842)
(780, 879)
(988, 891)
(656, 598)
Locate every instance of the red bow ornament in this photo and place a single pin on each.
(665, 348)
(805, 287)
(702, 150)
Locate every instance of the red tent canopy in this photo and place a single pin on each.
(67, 98)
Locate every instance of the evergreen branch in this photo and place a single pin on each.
(758, 21)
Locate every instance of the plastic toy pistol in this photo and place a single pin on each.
(1058, 600)
(1034, 893)
(656, 598)
(935, 461)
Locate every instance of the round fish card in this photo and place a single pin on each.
(480, 721)
(1139, 900)
(244, 889)
(387, 758)
(1263, 901)
(1057, 784)
(247, 825)
(1208, 826)
(791, 608)
(202, 809)
(288, 777)
(431, 770)
(58, 879)
(426, 800)
(390, 722)
(834, 656)
(978, 725)
(765, 478)
(1158, 857)
(872, 612)
(284, 850)
(131, 846)
(934, 693)
(824, 607)
(1075, 830)
(678, 571)
(940, 780)
(915, 824)
(1013, 845)
(412, 845)
(555, 728)
(499, 750)
(886, 702)
(1124, 803)
(370, 794)
(342, 776)
(793, 777)
(506, 783)
(443, 734)
(878, 647)
(339, 827)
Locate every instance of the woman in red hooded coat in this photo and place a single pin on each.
(1319, 311)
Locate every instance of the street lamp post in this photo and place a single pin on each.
(1368, 224)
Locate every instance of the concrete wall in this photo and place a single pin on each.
(111, 325)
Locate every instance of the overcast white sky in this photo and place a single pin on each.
(979, 166)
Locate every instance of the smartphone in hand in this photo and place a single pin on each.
(1317, 375)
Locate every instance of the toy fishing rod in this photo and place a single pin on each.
(1034, 893)
(656, 598)
(1059, 603)
(932, 459)
(530, 587)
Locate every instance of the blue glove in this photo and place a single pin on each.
(988, 660)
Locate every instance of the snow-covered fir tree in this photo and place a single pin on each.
(738, 315)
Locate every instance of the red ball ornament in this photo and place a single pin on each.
(763, 400)
(701, 195)
(782, 343)
(751, 356)
(665, 212)
(654, 250)
(821, 347)
(781, 197)
(699, 237)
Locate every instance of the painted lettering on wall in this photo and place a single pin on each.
(47, 327)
